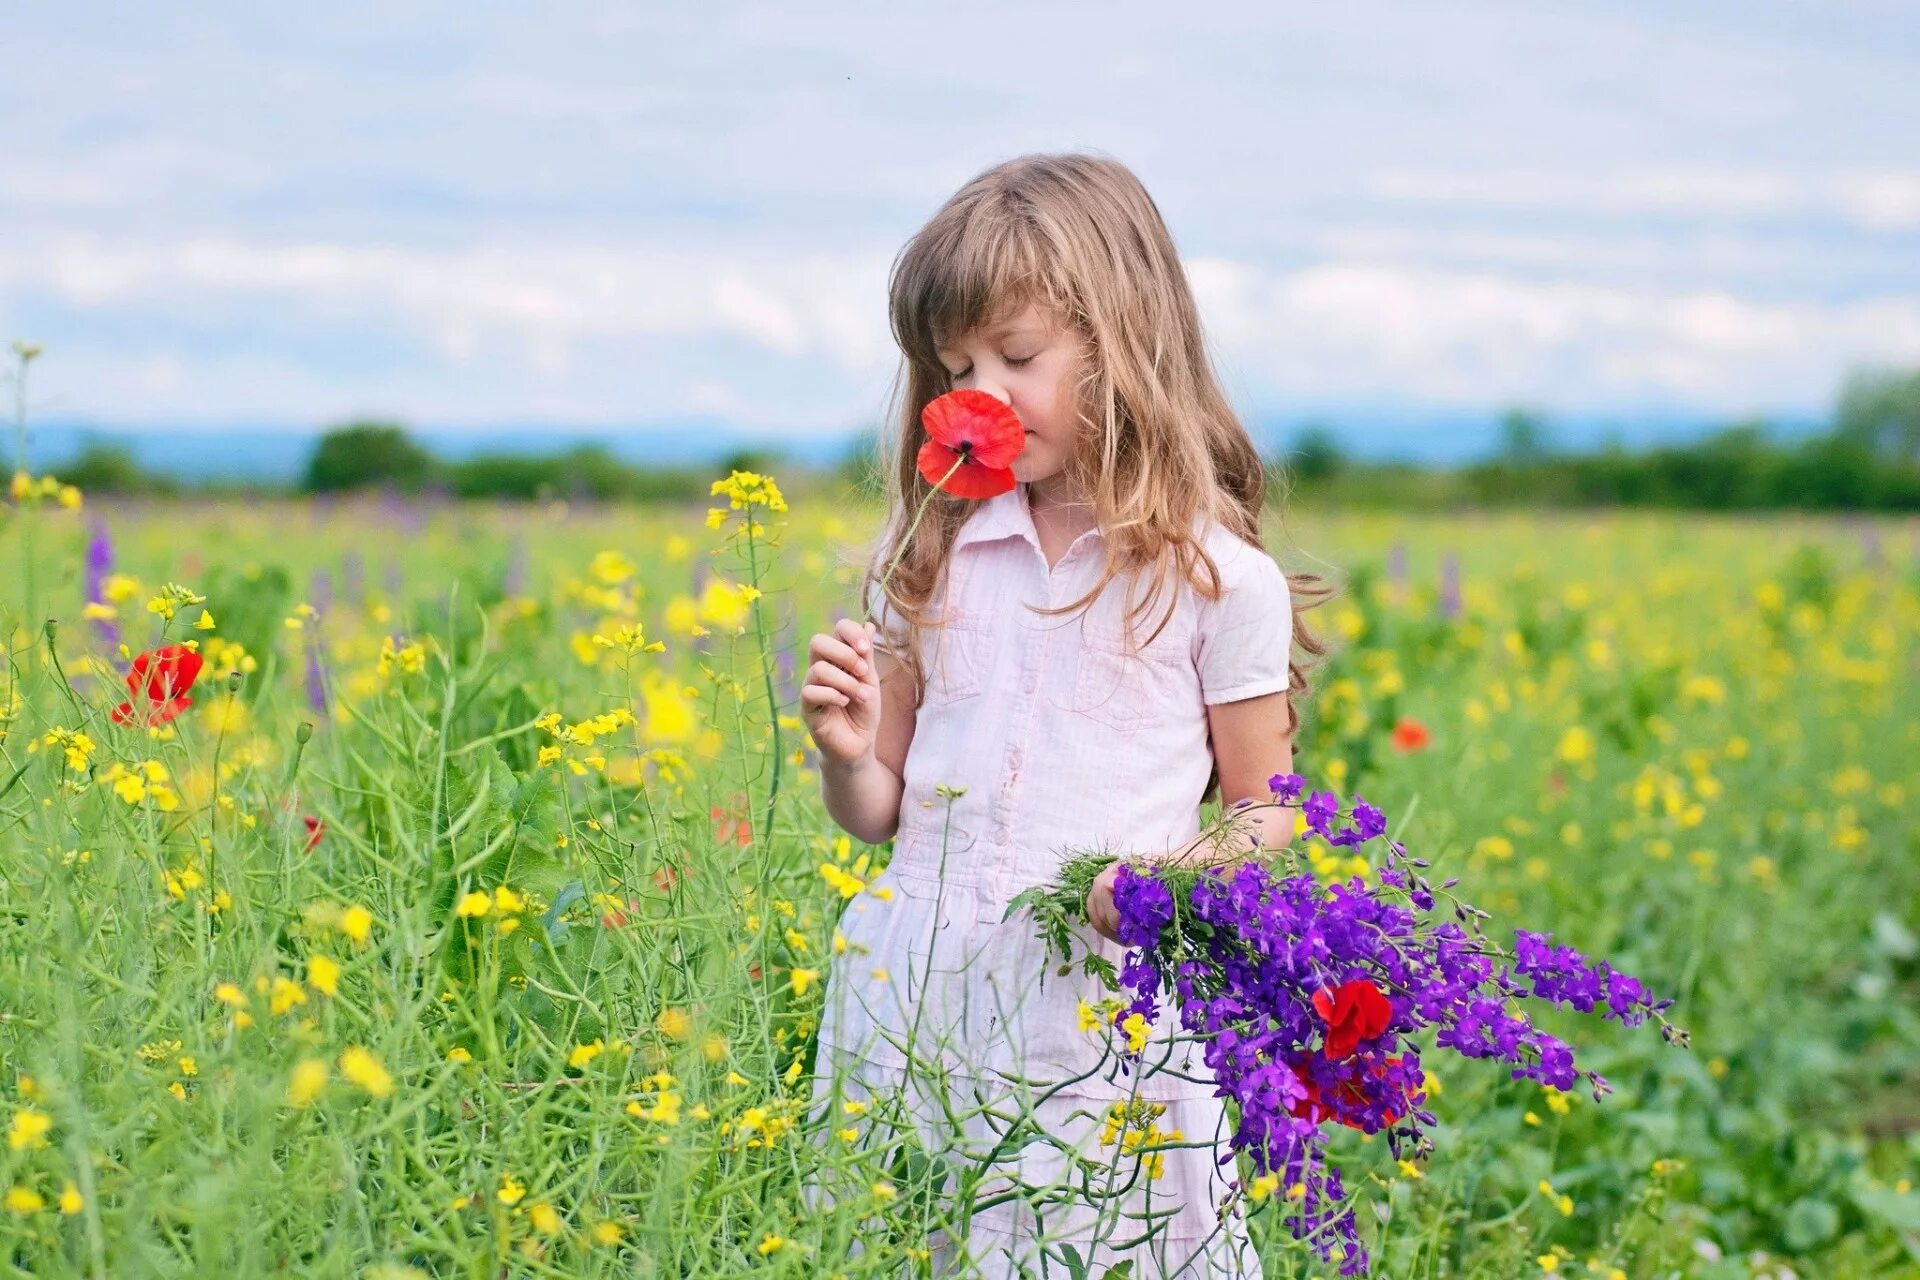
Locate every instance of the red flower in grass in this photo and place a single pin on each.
(1353, 1012)
(731, 826)
(1410, 735)
(315, 829)
(973, 439)
(158, 684)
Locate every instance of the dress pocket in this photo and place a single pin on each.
(1119, 689)
(961, 654)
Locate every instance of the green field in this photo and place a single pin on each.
(534, 991)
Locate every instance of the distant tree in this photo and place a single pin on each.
(1316, 454)
(363, 454)
(1880, 410)
(751, 459)
(1523, 437)
(100, 467)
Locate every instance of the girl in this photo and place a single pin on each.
(1077, 662)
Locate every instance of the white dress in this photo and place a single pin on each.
(1062, 744)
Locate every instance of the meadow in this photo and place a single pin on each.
(473, 919)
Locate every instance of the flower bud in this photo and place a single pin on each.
(304, 734)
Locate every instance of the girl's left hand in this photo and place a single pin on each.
(1101, 913)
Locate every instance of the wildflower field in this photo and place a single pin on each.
(469, 913)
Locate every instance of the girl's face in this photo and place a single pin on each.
(1027, 362)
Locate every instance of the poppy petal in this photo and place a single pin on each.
(935, 460)
(989, 429)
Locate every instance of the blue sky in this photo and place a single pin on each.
(605, 216)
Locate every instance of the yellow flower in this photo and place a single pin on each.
(309, 1078)
(25, 1200)
(675, 1024)
(801, 979)
(71, 1201)
(29, 1128)
(771, 1244)
(608, 1233)
(357, 923)
(323, 974)
(507, 900)
(584, 1053)
(286, 994)
(544, 1218)
(510, 1191)
(474, 904)
(1137, 1029)
(361, 1067)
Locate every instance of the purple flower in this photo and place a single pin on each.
(1286, 787)
(1321, 808)
(1243, 950)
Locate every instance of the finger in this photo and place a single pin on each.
(835, 678)
(840, 653)
(859, 635)
(819, 696)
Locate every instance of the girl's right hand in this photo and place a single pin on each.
(841, 700)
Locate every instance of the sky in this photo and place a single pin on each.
(605, 217)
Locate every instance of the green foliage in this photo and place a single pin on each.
(362, 455)
(101, 467)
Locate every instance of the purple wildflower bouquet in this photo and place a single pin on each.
(1307, 996)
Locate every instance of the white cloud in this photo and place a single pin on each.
(1470, 339)
(1878, 200)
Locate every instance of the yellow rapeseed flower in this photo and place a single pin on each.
(309, 1078)
(363, 1069)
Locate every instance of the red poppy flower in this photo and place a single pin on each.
(731, 825)
(615, 918)
(1354, 1012)
(159, 682)
(1349, 1093)
(315, 829)
(980, 434)
(1410, 735)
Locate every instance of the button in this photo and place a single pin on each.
(1003, 833)
(1031, 683)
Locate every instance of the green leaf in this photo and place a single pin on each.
(1810, 1223)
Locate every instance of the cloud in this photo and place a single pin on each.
(1875, 200)
(1465, 339)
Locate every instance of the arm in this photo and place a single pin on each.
(1251, 743)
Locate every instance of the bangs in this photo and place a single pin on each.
(969, 272)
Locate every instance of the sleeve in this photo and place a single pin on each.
(1245, 638)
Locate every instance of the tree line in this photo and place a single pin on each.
(1867, 459)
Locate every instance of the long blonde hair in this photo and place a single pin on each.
(1078, 236)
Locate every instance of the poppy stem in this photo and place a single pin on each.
(907, 537)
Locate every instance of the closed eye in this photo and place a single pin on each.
(1014, 364)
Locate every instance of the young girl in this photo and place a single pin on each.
(1076, 663)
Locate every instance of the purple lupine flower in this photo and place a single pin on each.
(1450, 607)
(99, 565)
(316, 681)
(320, 591)
(513, 581)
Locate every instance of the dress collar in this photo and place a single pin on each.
(1005, 515)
